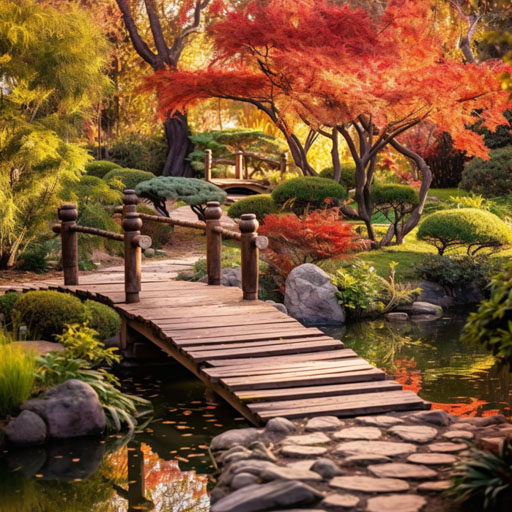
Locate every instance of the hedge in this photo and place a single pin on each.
(348, 175)
(99, 168)
(130, 177)
(395, 195)
(260, 205)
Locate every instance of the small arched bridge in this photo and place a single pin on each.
(261, 361)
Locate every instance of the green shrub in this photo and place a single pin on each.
(260, 205)
(299, 194)
(470, 227)
(34, 259)
(17, 377)
(160, 234)
(102, 319)
(99, 168)
(130, 177)
(7, 302)
(395, 195)
(492, 177)
(348, 175)
(46, 313)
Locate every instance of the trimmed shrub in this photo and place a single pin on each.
(99, 168)
(46, 313)
(348, 175)
(260, 205)
(470, 227)
(395, 195)
(130, 177)
(160, 234)
(492, 177)
(7, 302)
(299, 194)
(102, 319)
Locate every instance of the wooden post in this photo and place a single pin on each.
(67, 216)
(130, 201)
(213, 214)
(283, 162)
(132, 256)
(250, 256)
(208, 164)
(239, 164)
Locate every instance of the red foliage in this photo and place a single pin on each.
(316, 236)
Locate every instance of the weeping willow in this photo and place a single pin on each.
(51, 76)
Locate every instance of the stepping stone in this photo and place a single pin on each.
(366, 459)
(432, 459)
(396, 503)
(340, 501)
(436, 417)
(437, 486)
(401, 470)
(368, 433)
(323, 423)
(463, 426)
(387, 448)
(458, 434)
(447, 447)
(243, 480)
(369, 484)
(307, 439)
(379, 421)
(252, 466)
(230, 438)
(295, 450)
(280, 473)
(416, 433)
(301, 464)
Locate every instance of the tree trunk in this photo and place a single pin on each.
(178, 147)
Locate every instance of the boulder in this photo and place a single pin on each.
(421, 308)
(310, 296)
(280, 425)
(229, 277)
(27, 429)
(230, 438)
(71, 409)
(434, 293)
(470, 293)
(278, 306)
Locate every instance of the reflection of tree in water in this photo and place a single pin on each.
(146, 482)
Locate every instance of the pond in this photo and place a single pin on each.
(167, 468)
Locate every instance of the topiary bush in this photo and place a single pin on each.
(130, 177)
(7, 302)
(348, 175)
(99, 168)
(492, 177)
(299, 194)
(470, 227)
(196, 193)
(260, 205)
(102, 319)
(160, 234)
(46, 313)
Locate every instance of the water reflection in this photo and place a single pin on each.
(428, 358)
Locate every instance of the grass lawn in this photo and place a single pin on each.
(443, 194)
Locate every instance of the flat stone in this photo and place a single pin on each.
(432, 459)
(368, 433)
(301, 464)
(326, 468)
(488, 420)
(458, 434)
(280, 425)
(396, 503)
(379, 421)
(435, 486)
(243, 480)
(340, 501)
(27, 429)
(286, 473)
(230, 438)
(447, 447)
(369, 484)
(402, 470)
(436, 417)
(323, 423)
(234, 454)
(415, 433)
(492, 442)
(295, 450)
(276, 494)
(387, 448)
(307, 439)
(463, 426)
(366, 459)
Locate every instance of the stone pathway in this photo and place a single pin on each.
(394, 463)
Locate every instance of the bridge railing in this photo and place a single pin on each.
(134, 242)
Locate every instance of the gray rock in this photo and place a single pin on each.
(402, 470)
(326, 468)
(229, 277)
(387, 448)
(243, 480)
(368, 433)
(149, 252)
(234, 449)
(287, 473)
(415, 433)
(217, 494)
(301, 464)
(470, 293)
(396, 503)
(436, 417)
(421, 308)
(252, 466)
(432, 459)
(230, 438)
(369, 484)
(262, 453)
(338, 501)
(279, 493)
(323, 424)
(296, 450)
(71, 409)
(278, 306)
(310, 296)
(307, 439)
(434, 293)
(396, 316)
(379, 421)
(280, 425)
(27, 429)
(233, 456)
(462, 426)
(366, 459)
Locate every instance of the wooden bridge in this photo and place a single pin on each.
(260, 360)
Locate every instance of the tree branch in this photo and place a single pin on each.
(158, 35)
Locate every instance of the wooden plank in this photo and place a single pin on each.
(225, 321)
(310, 380)
(319, 391)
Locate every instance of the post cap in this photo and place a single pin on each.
(213, 210)
(68, 212)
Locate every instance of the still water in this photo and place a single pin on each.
(167, 467)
